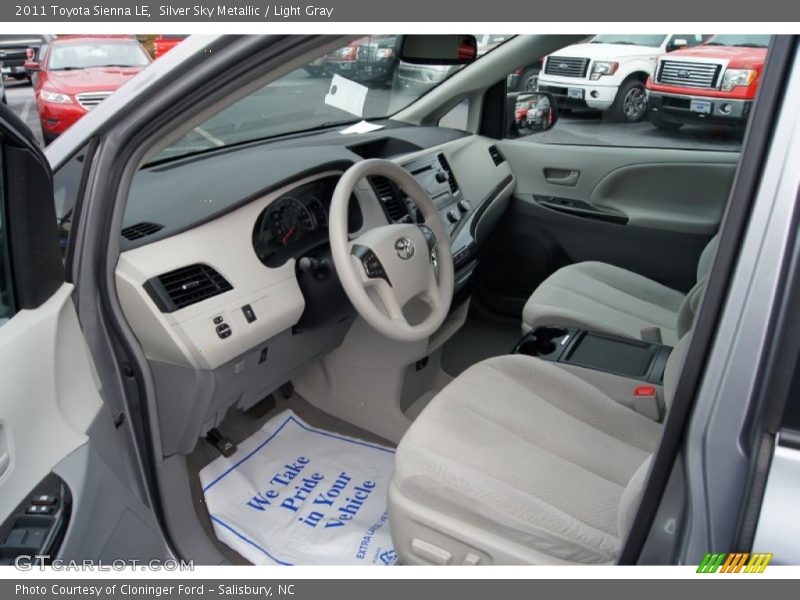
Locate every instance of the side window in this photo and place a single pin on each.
(66, 185)
(665, 94)
(7, 309)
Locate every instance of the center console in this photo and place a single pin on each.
(630, 371)
(434, 174)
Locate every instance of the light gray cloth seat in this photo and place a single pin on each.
(518, 461)
(602, 297)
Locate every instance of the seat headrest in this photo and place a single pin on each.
(704, 264)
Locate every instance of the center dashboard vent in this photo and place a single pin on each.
(390, 198)
(140, 230)
(496, 155)
(186, 286)
(450, 177)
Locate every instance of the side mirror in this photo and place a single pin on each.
(533, 113)
(678, 43)
(439, 49)
(32, 66)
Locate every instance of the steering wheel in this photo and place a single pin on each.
(392, 261)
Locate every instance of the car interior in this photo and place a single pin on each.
(507, 315)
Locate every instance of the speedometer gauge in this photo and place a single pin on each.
(290, 220)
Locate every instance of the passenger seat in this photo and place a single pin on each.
(601, 297)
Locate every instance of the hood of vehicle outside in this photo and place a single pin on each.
(607, 51)
(737, 55)
(90, 80)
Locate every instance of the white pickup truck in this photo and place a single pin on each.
(608, 72)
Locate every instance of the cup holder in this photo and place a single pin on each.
(540, 341)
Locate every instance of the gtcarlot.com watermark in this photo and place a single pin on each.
(29, 562)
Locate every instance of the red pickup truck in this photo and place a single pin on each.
(715, 82)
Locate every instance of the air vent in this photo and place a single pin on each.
(451, 179)
(496, 155)
(140, 230)
(186, 286)
(389, 196)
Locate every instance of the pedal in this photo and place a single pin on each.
(221, 443)
(261, 408)
(287, 389)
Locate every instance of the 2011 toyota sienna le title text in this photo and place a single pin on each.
(279, 318)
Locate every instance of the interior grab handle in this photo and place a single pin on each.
(568, 177)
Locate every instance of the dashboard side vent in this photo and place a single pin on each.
(450, 177)
(496, 155)
(390, 198)
(140, 230)
(186, 286)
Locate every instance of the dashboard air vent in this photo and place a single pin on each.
(450, 177)
(186, 286)
(140, 230)
(496, 155)
(390, 197)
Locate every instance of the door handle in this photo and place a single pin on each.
(568, 177)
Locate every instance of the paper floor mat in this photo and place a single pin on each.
(294, 494)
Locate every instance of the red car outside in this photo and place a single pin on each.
(77, 73)
(164, 43)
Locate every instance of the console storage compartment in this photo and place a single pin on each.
(617, 365)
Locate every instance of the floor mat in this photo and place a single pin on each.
(294, 494)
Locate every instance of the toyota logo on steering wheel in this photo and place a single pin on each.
(404, 247)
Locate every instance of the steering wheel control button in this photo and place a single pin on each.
(248, 312)
(430, 237)
(371, 263)
(405, 248)
(224, 331)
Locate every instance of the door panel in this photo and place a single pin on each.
(49, 396)
(649, 210)
(52, 417)
(671, 189)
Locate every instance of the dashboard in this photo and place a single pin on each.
(209, 271)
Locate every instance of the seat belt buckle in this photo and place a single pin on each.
(646, 401)
(651, 334)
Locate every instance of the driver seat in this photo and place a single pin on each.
(517, 461)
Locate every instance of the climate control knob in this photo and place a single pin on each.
(441, 176)
(464, 205)
(453, 216)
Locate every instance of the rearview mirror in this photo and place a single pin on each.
(534, 113)
(439, 49)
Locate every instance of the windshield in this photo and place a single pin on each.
(364, 80)
(96, 54)
(629, 40)
(746, 41)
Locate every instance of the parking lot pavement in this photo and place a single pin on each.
(267, 108)
(20, 99)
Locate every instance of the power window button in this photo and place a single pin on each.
(44, 500)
